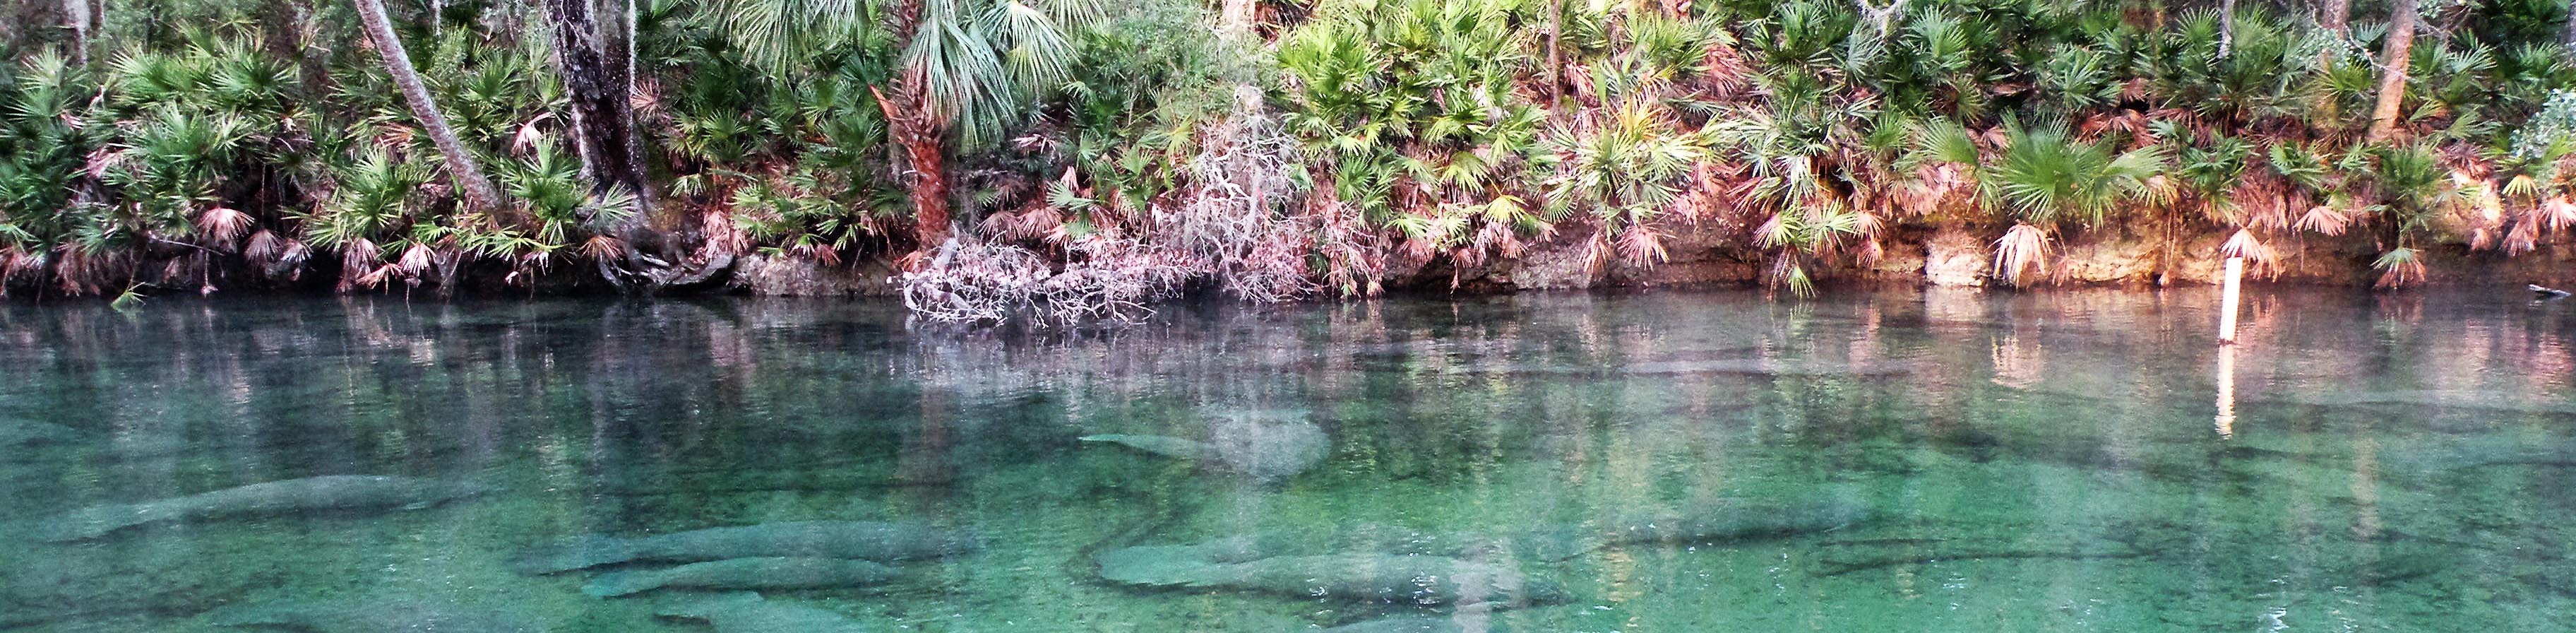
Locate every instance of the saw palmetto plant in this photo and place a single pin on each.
(1351, 144)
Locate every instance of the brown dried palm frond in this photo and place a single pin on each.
(2521, 237)
(1939, 187)
(1499, 239)
(2022, 252)
(2135, 89)
(1036, 224)
(357, 258)
(526, 139)
(264, 247)
(372, 278)
(1597, 253)
(221, 226)
(2265, 260)
(15, 263)
(2324, 219)
(80, 272)
(1354, 256)
(2263, 200)
(1641, 246)
(1726, 74)
(1000, 224)
(818, 252)
(603, 248)
(2400, 268)
(2556, 214)
(415, 260)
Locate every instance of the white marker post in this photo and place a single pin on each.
(2226, 421)
(2227, 301)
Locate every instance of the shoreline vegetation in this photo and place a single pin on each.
(991, 160)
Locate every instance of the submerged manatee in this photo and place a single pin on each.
(1721, 524)
(1163, 445)
(1409, 579)
(745, 573)
(1733, 366)
(871, 540)
(1265, 445)
(371, 616)
(746, 612)
(333, 492)
(26, 433)
(1717, 524)
(1414, 625)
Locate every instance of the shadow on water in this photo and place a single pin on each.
(1893, 460)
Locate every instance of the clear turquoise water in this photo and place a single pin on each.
(2030, 462)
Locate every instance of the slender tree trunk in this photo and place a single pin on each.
(76, 14)
(475, 189)
(2570, 36)
(2392, 80)
(623, 48)
(2226, 28)
(1238, 16)
(922, 136)
(1884, 18)
(1555, 56)
(2336, 16)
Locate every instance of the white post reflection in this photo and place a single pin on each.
(2226, 391)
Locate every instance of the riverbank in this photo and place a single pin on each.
(1930, 256)
(1947, 256)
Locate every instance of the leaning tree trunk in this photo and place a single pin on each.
(475, 189)
(919, 131)
(2392, 80)
(2336, 16)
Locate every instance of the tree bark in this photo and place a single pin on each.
(922, 136)
(2570, 36)
(1238, 16)
(76, 13)
(1884, 18)
(600, 89)
(470, 183)
(2336, 16)
(2226, 28)
(2393, 59)
(1555, 56)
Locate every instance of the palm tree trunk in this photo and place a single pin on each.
(922, 136)
(2336, 16)
(476, 190)
(2392, 79)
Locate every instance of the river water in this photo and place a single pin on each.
(1926, 460)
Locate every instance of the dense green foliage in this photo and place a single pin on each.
(1100, 155)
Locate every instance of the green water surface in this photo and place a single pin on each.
(2027, 462)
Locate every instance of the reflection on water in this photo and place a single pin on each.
(1905, 461)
